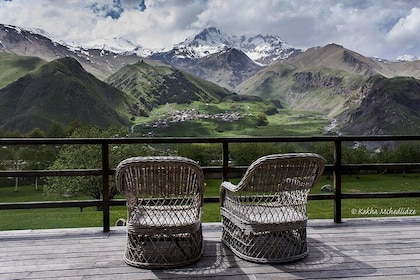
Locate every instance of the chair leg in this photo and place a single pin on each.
(163, 251)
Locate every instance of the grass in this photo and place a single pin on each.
(12, 67)
(285, 122)
(351, 208)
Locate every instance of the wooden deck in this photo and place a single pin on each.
(386, 248)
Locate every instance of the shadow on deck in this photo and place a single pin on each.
(376, 248)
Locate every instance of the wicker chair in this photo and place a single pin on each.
(264, 215)
(164, 203)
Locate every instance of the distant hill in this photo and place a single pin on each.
(337, 57)
(227, 68)
(12, 67)
(318, 81)
(342, 85)
(99, 62)
(389, 106)
(62, 91)
(158, 85)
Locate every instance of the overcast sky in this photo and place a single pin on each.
(382, 28)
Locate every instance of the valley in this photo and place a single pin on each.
(211, 84)
(239, 119)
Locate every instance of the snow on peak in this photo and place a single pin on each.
(116, 45)
(263, 49)
(208, 41)
(407, 57)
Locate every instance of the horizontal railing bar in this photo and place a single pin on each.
(380, 195)
(206, 170)
(381, 165)
(321, 196)
(224, 169)
(165, 140)
(213, 199)
(46, 173)
(74, 203)
(113, 202)
(50, 204)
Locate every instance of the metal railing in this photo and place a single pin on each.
(337, 167)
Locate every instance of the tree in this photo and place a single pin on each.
(88, 157)
(204, 154)
(56, 130)
(12, 159)
(246, 153)
(262, 120)
(36, 133)
(407, 152)
(325, 149)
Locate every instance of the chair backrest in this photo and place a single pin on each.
(283, 172)
(170, 179)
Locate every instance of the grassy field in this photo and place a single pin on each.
(285, 122)
(90, 217)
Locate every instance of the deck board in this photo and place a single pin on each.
(385, 248)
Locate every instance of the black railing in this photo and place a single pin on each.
(225, 169)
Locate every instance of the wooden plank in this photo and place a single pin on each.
(375, 249)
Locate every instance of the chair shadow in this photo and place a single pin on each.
(323, 261)
(216, 260)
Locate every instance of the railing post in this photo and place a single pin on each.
(337, 181)
(105, 188)
(225, 152)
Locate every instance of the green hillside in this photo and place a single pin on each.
(62, 91)
(12, 67)
(319, 89)
(158, 85)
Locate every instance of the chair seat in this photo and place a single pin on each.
(173, 219)
(266, 218)
(262, 214)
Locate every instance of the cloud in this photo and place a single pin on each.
(114, 11)
(373, 28)
(405, 33)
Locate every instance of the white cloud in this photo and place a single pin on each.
(405, 33)
(374, 28)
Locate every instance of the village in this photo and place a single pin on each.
(175, 116)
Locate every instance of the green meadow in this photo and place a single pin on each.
(281, 123)
(323, 209)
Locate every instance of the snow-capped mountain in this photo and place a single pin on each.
(407, 58)
(207, 42)
(265, 49)
(261, 49)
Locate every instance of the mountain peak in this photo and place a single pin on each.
(61, 91)
(263, 49)
(208, 41)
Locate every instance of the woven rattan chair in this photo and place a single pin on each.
(164, 203)
(264, 215)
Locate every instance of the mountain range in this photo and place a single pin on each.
(210, 66)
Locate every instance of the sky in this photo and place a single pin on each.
(376, 28)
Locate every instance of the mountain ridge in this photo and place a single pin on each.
(325, 79)
(61, 91)
(158, 85)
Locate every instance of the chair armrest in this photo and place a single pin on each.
(229, 186)
(226, 186)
